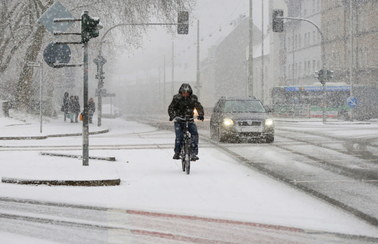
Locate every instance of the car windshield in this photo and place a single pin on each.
(243, 106)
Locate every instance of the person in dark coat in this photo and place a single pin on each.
(183, 105)
(71, 108)
(66, 105)
(76, 108)
(91, 109)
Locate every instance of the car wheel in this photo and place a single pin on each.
(269, 138)
(213, 135)
(221, 136)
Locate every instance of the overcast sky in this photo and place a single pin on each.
(215, 18)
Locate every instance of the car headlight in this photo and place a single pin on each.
(268, 122)
(228, 122)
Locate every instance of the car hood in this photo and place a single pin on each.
(246, 116)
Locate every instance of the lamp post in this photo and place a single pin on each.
(40, 66)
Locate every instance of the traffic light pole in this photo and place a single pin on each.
(85, 112)
(324, 107)
(100, 65)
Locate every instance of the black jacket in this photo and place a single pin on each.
(184, 106)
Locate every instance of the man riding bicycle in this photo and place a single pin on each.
(183, 105)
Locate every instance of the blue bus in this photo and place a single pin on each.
(307, 101)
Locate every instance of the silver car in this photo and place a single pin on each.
(235, 119)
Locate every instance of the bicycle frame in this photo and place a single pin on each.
(185, 149)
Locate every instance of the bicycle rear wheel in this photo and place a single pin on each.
(183, 163)
(187, 165)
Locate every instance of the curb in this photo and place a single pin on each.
(77, 156)
(53, 135)
(108, 182)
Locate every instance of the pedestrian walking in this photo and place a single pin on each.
(91, 109)
(65, 106)
(71, 108)
(76, 108)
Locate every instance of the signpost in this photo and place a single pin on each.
(352, 102)
(57, 54)
(57, 10)
(89, 29)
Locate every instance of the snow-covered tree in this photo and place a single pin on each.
(22, 38)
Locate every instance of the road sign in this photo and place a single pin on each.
(109, 95)
(99, 60)
(100, 91)
(57, 54)
(352, 102)
(57, 10)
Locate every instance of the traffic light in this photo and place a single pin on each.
(183, 22)
(277, 24)
(324, 75)
(100, 76)
(329, 74)
(89, 27)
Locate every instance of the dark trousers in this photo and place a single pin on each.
(179, 127)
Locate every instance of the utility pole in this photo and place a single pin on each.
(262, 51)
(164, 89)
(173, 68)
(40, 66)
(198, 84)
(351, 51)
(250, 53)
(85, 98)
(159, 81)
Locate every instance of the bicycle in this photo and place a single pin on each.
(186, 147)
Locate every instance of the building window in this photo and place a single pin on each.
(299, 40)
(305, 67)
(313, 65)
(318, 5)
(305, 39)
(313, 37)
(309, 67)
(313, 6)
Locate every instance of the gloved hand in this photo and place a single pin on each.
(170, 118)
(200, 117)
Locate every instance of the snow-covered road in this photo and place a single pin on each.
(218, 187)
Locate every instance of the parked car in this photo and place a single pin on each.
(234, 119)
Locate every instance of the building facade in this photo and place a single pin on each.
(353, 29)
(300, 44)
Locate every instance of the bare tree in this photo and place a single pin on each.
(21, 38)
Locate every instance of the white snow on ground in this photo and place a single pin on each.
(217, 187)
(16, 239)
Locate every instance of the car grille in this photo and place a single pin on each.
(249, 123)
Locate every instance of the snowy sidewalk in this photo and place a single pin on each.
(18, 128)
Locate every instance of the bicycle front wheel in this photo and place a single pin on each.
(187, 163)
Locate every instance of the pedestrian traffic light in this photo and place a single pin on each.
(89, 27)
(277, 23)
(183, 22)
(324, 75)
(329, 74)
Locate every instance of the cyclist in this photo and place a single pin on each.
(183, 105)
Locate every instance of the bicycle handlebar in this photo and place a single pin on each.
(183, 119)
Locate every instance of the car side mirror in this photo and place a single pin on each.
(268, 109)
